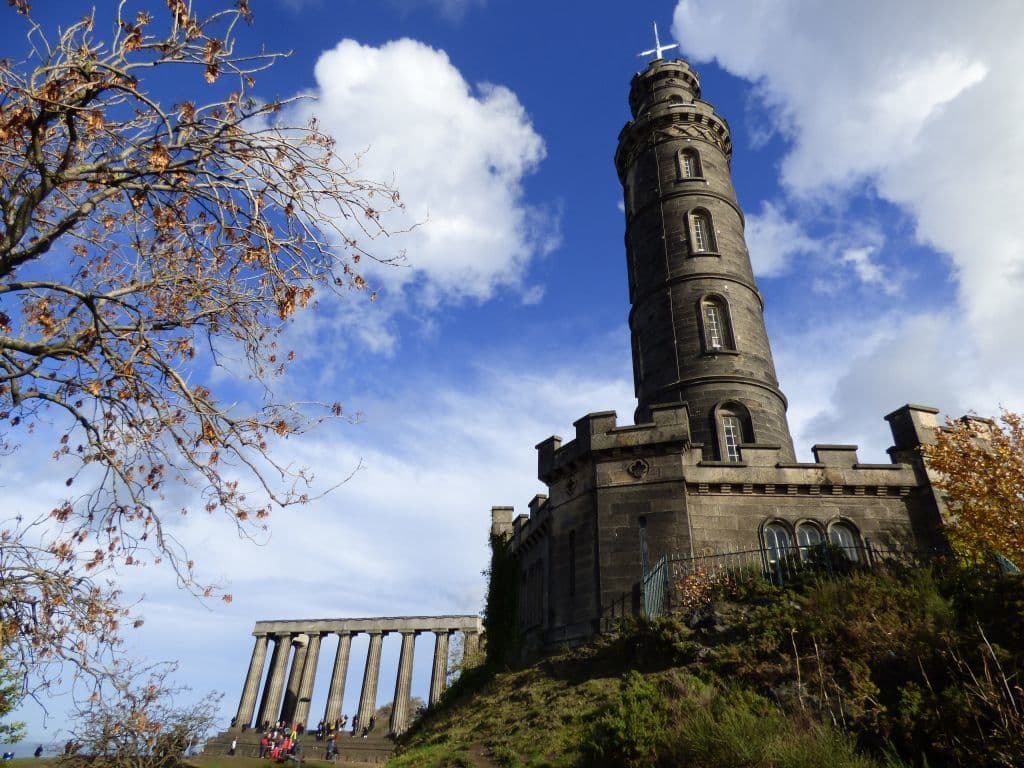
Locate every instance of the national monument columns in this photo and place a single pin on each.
(288, 691)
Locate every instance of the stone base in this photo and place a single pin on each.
(374, 749)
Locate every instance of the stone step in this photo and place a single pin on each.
(375, 748)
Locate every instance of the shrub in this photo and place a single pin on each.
(629, 732)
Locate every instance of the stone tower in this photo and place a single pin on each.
(697, 322)
(707, 474)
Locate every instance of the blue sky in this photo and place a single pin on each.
(879, 159)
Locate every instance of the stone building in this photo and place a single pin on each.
(709, 465)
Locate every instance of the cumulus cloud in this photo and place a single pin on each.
(868, 271)
(919, 104)
(774, 240)
(458, 154)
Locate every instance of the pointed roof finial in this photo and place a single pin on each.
(658, 48)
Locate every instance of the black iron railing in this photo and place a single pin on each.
(665, 584)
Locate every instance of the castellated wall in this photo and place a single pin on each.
(620, 496)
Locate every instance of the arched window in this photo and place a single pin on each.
(809, 539)
(843, 537)
(732, 423)
(777, 542)
(688, 164)
(715, 324)
(702, 234)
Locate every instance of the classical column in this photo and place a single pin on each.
(274, 688)
(291, 696)
(368, 698)
(439, 676)
(403, 685)
(336, 694)
(306, 681)
(252, 684)
(470, 645)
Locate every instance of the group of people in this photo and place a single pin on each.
(329, 732)
(282, 742)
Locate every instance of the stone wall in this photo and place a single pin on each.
(619, 498)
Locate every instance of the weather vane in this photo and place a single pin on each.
(658, 48)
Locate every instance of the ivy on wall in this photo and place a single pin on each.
(501, 610)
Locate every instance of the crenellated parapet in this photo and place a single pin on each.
(598, 436)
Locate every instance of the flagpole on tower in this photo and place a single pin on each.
(658, 48)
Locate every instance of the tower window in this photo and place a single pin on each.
(714, 317)
(702, 234)
(732, 425)
(688, 164)
(732, 435)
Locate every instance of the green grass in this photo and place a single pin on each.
(844, 673)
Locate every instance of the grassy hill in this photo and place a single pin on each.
(910, 667)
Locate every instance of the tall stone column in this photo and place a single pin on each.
(274, 689)
(439, 675)
(336, 694)
(368, 697)
(403, 685)
(291, 696)
(252, 684)
(470, 644)
(307, 679)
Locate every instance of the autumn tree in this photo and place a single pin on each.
(980, 469)
(148, 237)
(144, 720)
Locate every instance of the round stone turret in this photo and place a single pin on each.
(697, 320)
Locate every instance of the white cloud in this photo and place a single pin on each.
(458, 155)
(774, 240)
(868, 271)
(919, 104)
(406, 535)
(865, 367)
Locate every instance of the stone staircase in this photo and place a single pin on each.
(376, 748)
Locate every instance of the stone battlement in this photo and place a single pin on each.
(599, 434)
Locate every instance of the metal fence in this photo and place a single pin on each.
(663, 585)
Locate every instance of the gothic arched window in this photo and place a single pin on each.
(688, 164)
(732, 427)
(842, 536)
(702, 233)
(715, 324)
(777, 542)
(809, 539)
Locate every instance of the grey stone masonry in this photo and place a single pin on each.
(336, 692)
(291, 693)
(697, 317)
(439, 671)
(290, 701)
(371, 674)
(620, 497)
(274, 689)
(306, 681)
(403, 686)
(247, 704)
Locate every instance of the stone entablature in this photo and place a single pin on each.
(455, 623)
(299, 641)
